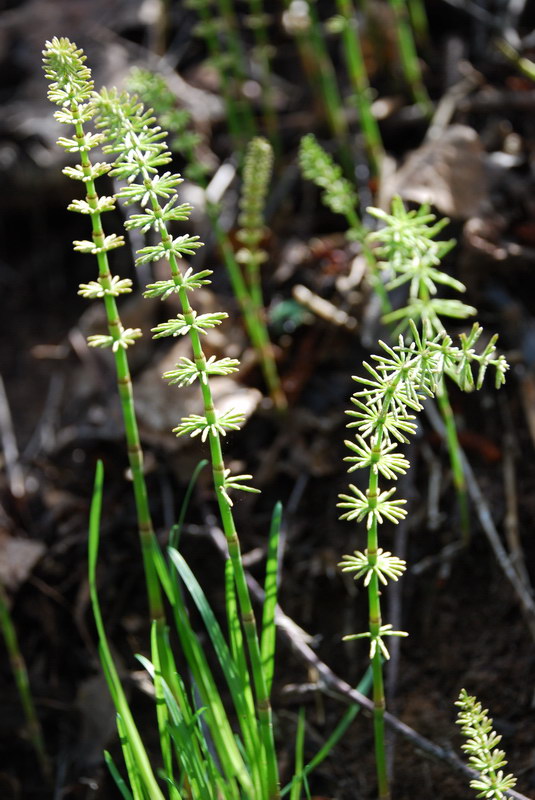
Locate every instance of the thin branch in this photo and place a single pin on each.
(14, 472)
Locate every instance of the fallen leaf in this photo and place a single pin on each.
(447, 172)
(17, 559)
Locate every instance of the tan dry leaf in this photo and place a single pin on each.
(17, 559)
(448, 173)
(160, 406)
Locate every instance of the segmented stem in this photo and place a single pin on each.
(357, 74)
(229, 528)
(126, 396)
(71, 89)
(133, 135)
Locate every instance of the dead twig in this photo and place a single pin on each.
(510, 522)
(14, 472)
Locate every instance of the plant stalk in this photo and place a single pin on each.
(124, 384)
(218, 471)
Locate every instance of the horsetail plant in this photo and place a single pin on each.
(153, 91)
(340, 197)
(256, 177)
(482, 746)
(72, 88)
(409, 249)
(139, 148)
(399, 381)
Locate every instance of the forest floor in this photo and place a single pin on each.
(466, 625)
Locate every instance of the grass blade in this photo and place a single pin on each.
(117, 777)
(297, 782)
(176, 530)
(248, 725)
(135, 744)
(363, 687)
(202, 677)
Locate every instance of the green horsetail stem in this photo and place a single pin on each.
(356, 69)
(71, 88)
(319, 69)
(409, 57)
(258, 20)
(228, 63)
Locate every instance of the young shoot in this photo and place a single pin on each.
(482, 748)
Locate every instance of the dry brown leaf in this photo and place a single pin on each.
(17, 559)
(448, 173)
(160, 406)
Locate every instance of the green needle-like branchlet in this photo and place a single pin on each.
(482, 747)
(154, 92)
(71, 88)
(408, 247)
(139, 149)
(397, 383)
(340, 197)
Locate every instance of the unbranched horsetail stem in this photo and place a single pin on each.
(302, 21)
(228, 60)
(71, 88)
(256, 177)
(258, 21)
(356, 69)
(409, 56)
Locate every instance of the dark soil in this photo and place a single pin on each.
(465, 623)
